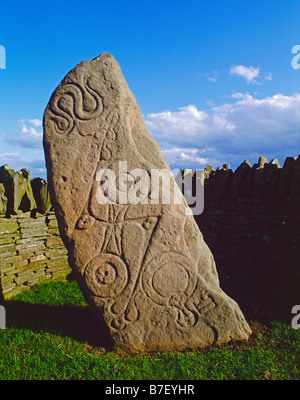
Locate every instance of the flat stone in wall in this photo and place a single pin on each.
(31, 251)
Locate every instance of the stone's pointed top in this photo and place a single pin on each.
(25, 173)
(209, 168)
(262, 161)
(187, 171)
(105, 59)
(104, 56)
(275, 162)
(246, 162)
(289, 162)
(6, 167)
(208, 171)
(245, 166)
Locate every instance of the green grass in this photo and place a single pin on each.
(50, 335)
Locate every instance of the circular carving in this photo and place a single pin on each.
(73, 102)
(106, 275)
(149, 223)
(166, 277)
(85, 222)
(170, 279)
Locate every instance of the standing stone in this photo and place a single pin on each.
(41, 195)
(3, 200)
(142, 265)
(17, 189)
(10, 180)
(26, 199)
(2, 317)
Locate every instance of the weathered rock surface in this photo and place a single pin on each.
(18, 189)
(3, 199)
(144, 268)
(41, 195)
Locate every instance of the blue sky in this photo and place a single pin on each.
(213, 79)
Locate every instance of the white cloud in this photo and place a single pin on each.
(189, 157)
(249, 73)
(246, 129)
(17, 161)
(29, 135)
(268, 76)
(188, 125)
(239, 95)
(214, 77)
(35, 122)
(7, 157)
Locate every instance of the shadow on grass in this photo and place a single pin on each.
(78, 323)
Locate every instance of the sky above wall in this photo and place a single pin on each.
(217, 81)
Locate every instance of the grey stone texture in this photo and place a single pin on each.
(144, 268)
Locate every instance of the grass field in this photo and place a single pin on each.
(50, 336)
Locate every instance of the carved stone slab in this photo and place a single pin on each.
(142, 265)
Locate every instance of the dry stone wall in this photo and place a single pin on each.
(251, 222)
(31, 250)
